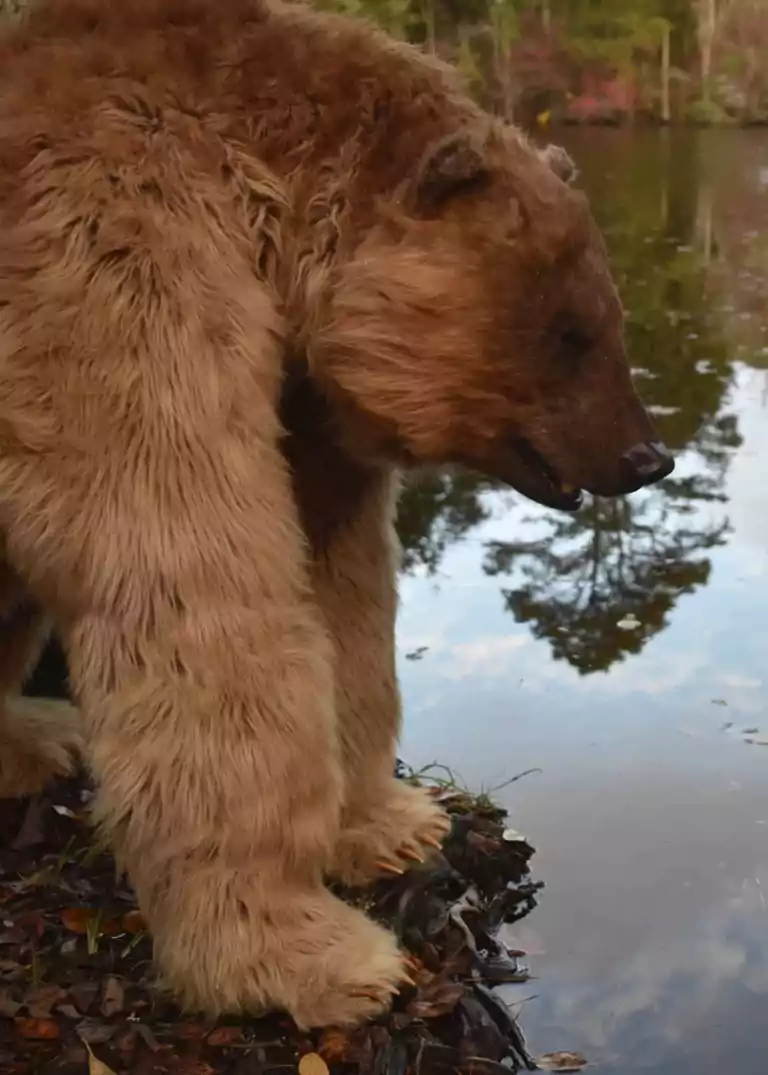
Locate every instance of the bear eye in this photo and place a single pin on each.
(574, 339)
(570, 336)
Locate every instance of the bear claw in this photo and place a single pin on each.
(408, 851)
(389, 867)
(397, 829)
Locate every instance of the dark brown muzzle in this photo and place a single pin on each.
(645, 464)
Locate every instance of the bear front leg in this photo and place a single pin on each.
(146, 503)
(40, 738)
(205, 681)
(347, 510)
(387, 825)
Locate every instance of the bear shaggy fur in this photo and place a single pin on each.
(254, 260)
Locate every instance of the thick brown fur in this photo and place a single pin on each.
(254, 259)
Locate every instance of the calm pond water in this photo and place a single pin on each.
(623, 651)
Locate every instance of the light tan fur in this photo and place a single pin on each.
(254, 260)
(141, 380)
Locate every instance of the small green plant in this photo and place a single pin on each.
(708, 114)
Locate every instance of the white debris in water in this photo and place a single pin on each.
(660, 411)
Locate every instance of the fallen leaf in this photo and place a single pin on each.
(8, 1006)
(224, 1035)
(313, 1064)
(190, 1031)
(69, 1011)
(562, 1062)
(126, 1041)
(89, 920)
(40, 1000)
(134, 922)
(37, 1029)
(113, 996)
(74, 1053)
(84, 994)
(96, 1066)
(147, 1037)
(94, 1032)
(33, 921)
(77, 919)
(334, 1044)
(31, 832)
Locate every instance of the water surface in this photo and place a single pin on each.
(622, 651)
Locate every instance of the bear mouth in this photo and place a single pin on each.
(535, 477)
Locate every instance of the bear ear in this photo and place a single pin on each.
(449, 167)
(560, 163)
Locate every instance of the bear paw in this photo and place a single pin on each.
(221, 948)
(353, 981)
(388, 835)
(40, 739)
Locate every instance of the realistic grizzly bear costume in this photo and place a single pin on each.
(254, 260)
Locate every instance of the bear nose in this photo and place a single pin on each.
(648, 463)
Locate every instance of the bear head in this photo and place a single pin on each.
(476, 323)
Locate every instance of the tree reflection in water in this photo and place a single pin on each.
(597, 585)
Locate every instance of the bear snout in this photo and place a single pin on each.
(647, 463)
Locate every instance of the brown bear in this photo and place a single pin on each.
(254, 260)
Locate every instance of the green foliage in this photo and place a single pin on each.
(707, 113)
(12, 9)
(616, 38)
(513, 50)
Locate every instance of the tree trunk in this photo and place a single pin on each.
(707, 13)
(429, 22)
(665, 110)
(502, 63)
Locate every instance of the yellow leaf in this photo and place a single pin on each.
(313, 1064)
(96, 1066)
(562, 1062)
